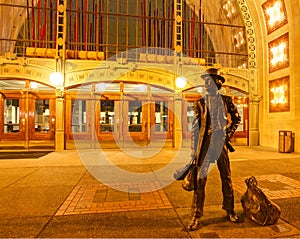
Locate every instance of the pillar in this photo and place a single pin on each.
(254, 101)
(59, 124)
(177, 137)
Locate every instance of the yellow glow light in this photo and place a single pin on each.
(243, 66)
(56, 79)
(33, 85)
(278, 53)
(279, 95)
(275, 13)
(180, 82)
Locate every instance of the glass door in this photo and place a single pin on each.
(241, 135)
(79, 121)
(121, 123)
(187, 119)
(11, 116)
(41, 120)
(135, 117)
(135, 123)
(107, 116)
(12, 120)
(108, 123)
(161, 117)
(162, 121)
(27, 120)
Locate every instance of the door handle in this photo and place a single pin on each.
(53, 122)
(23, 124)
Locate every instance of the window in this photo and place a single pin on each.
(161, 116)
(79, 116)
(135, 116)
(190, 115)
(11, 116)
(107, 113)
(42, 115)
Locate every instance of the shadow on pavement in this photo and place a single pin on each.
(23, 155)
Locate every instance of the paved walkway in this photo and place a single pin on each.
(131, 194)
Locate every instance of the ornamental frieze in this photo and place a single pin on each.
(26, 72)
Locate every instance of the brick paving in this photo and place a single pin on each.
(99, 198)
(275, 186)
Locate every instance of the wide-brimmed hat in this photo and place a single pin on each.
(215, 77)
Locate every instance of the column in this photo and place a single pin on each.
(254, 101)
(59, 124)
(177, 140)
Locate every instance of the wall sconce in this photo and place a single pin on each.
(279, 53)
(279, 95)
(275, 14)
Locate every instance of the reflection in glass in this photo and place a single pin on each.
(135, 116)
(42, 115)
(161, 116)
(107, 87)
(78, 116)
(107, 113)
(11, 116)
(135, 88)
(190, 115)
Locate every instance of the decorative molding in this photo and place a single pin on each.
(250, 32)
(26, 72)
(237, 82)
(147, 76)
(251, 43)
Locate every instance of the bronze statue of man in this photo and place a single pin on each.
(216, 120)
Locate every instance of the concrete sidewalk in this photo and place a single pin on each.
(70, 195)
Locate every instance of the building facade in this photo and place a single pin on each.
(106, 74)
